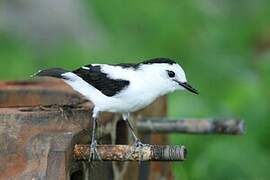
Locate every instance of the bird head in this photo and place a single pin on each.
(168, 75)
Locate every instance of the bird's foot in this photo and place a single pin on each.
(137, 143)
(137, 148)
(94, 155)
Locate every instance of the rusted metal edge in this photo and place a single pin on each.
(192, 126)
(146, 152)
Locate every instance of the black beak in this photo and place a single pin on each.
(188, 87)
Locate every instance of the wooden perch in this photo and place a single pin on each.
(146, 152)
(191, 126)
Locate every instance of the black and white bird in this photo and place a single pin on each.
(123, 88)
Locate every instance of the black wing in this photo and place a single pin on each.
(100, 80)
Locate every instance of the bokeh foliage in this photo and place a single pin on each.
(224, 47)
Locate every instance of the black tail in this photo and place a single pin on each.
(54, 72)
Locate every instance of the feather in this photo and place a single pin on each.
(93, 75)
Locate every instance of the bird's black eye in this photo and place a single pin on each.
(171, 73)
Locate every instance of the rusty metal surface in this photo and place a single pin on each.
(37, 141)
(144, 152)
(192, 126)
(45, 91)
(42, 120)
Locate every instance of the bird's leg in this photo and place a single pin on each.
(137, 142)
(93, 155)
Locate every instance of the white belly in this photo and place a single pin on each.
(124, 103)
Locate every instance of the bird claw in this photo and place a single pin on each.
(94, 155)
(137, 143)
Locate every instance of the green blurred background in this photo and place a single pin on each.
(223, 45)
